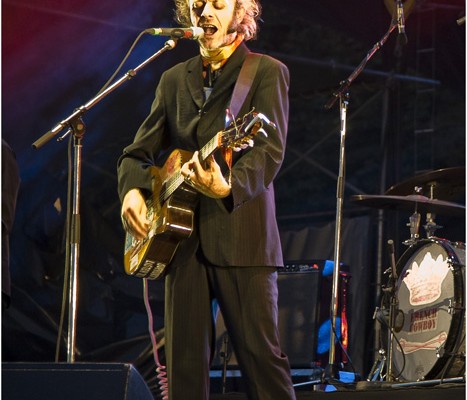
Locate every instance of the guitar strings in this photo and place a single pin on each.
(177, 178)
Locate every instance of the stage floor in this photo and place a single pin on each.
(116, 381)
(450, 389)
(444, 391)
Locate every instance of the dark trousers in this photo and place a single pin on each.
(247, 297)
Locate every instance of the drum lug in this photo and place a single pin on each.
(451, 308)
(440, 352)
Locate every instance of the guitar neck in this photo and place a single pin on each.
(210, 147)
(174, 182)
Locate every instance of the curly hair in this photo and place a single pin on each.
(248, 26)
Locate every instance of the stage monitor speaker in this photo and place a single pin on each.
(299, 293)
(73, 381)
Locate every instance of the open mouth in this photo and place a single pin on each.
(209, 29)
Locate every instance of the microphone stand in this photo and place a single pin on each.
(76, 127)
(331, 370)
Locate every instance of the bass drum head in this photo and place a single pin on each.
(430, 294)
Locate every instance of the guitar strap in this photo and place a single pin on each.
(244, 82)
(241, 90)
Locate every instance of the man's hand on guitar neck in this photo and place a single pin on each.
(209, 180)
(134, 211)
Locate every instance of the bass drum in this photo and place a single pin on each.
(430, 292)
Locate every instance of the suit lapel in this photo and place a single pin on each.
(226, 79)
(194, 81)
(220, 96)
(229, 75)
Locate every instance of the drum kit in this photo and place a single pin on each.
(425, 312)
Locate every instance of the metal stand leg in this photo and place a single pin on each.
(225, 355)
(376, 373)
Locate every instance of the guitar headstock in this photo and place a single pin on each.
(240, 132)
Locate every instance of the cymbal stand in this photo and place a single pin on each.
(76, 127)
(431, 226)
(414, 226)
(393, 307)
(384, 358)
(331, 370)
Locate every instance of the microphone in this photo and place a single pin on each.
(401, 20)
(176, 33)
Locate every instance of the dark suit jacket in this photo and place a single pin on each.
(240, 230)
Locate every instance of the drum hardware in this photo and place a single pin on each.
(431, 226)
(392, 318)
(414, 226)
(450, 307)
(393, 308)
(411, 202)
(440, 352)
(377, 369)
(453, 308)
(416, 203)
(447, 184)
(431, 382)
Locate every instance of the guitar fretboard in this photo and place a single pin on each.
(174, 182)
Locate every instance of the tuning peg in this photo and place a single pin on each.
(229, 118)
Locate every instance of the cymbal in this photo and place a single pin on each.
(412, 203)
(447, 184)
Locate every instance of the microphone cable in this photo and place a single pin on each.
(160, 369)
(120, 66)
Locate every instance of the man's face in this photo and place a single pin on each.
(217, 19)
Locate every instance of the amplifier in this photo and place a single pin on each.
(303, 306)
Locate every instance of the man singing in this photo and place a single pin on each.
(234, 250)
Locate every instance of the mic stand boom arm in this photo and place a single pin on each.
(169, 45)
(76, 127)
(330, 372)
(347, 82)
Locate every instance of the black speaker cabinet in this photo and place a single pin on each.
(73, 381)
(299, 304)
(298, 312)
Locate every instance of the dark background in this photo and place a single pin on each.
(406, 116)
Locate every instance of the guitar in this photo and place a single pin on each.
(171, 205)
